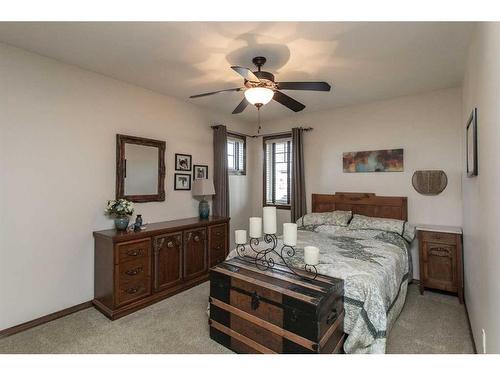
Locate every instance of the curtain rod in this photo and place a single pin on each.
(263, 135)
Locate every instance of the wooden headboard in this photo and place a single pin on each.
(367, 204)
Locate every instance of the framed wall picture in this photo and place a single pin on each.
(200, 172)
(182, 181)
(374, 161)
(471, 144)
(183, 162)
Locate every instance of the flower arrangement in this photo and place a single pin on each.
(119, 207)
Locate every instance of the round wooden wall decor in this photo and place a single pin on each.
(429, 182)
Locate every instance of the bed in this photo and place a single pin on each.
(374, 264)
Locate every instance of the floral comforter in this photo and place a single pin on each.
(376, 268)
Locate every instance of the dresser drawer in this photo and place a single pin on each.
(131, 250)
(134, 270)
(218, 232)
(217, 244)
(447, 238)
(129, 292)
(216, 258)
(217, 250)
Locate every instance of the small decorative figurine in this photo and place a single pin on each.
(138, 223)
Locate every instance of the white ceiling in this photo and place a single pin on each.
(362, 61)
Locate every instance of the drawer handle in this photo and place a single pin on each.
(221, 284)
(132, 290)
(218, 247)
(196, 238)
(294, 316)
(218, 233)
(134, 272)
(255, 301)
(134, 253)
(440, 252)
(332, 316)
(170, 244)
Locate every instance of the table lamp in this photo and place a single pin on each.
(202, 188)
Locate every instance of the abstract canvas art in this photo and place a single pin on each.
(373, 161)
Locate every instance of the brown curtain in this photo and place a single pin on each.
(220, 203)
(298, 185)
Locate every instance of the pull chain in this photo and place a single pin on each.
(258, 121)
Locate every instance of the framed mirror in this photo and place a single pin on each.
(140, 169)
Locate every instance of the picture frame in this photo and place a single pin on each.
(183, 162)
(471, 145)
(200, 172)
(391, 160)
(182, 181)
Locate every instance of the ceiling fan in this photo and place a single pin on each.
(260, 87)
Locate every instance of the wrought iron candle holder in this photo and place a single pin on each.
(264, 258)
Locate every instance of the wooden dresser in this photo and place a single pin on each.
(441, 265)
(135, 269)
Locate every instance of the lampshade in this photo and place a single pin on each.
(203, 187)
(259, 95)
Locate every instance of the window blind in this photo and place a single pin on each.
(278, 171)
(236, 154)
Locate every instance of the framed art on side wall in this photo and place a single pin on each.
(471, 144)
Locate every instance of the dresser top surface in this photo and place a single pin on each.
(153, 229)
(439, 228)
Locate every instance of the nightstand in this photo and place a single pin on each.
(441, 265)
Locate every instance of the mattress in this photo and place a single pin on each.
(376, 268)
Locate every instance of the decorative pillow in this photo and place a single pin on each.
(408, 232)
(377, 223)
(339, 218)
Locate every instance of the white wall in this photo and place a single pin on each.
(57, 169)
(427, 126)
(481, 199)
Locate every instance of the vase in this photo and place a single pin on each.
(204, 209)
(121, 222)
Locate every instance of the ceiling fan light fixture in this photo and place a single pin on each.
(259, 95)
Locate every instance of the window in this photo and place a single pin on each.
(236, 154)
(277, 171)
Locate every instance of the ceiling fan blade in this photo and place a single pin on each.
(288, 101)
(314, 86)
(246, 73)
(215, 92)
(241, 107)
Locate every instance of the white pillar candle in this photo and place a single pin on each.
(255, 227)
(269, 220)
(311, 255)
(290, 234)
(240, 237)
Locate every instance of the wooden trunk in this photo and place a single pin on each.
(274, 311)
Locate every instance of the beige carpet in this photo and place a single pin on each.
(433, 323)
